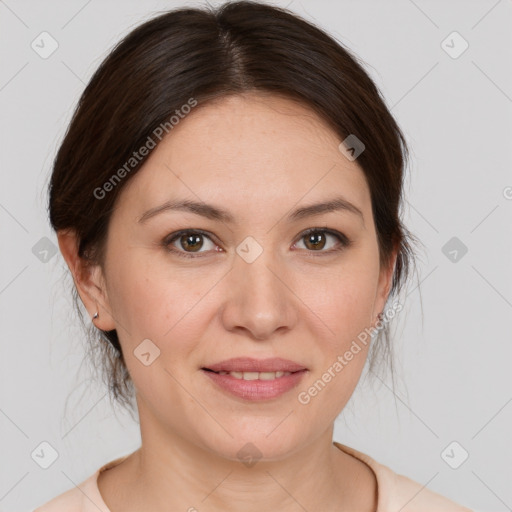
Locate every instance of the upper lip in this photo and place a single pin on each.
(248, 364)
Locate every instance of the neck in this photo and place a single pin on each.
(169, 472)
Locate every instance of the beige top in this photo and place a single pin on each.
(395, 492)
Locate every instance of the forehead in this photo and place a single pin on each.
(250, 152)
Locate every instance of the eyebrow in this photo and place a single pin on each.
(216, 213)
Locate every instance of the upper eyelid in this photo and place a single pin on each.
(174, 236)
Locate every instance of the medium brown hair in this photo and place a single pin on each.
(207, 53)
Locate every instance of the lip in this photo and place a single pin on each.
(248, 364)
(255, 390)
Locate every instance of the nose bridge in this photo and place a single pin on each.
(258, 300)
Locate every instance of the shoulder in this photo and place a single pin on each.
(71, 500)
(398, 492)
(85, 497)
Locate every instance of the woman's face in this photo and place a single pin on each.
(253, 285)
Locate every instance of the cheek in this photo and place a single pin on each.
(345, 297)
(150, 304)
(350, 308)
(345, 306)
(142, 300)
(149, 299)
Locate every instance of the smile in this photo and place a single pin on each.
(255, 375)
(255, 386)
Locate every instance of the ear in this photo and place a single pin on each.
(89, 281)
(384, 284)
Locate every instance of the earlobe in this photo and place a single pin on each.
(88, 280)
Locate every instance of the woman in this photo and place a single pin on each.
(227, 199)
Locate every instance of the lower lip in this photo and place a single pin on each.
(256, 389)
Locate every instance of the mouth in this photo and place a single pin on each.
(253, 375)
(253, 379)
(251, 365)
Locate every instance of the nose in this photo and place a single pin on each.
(259, 299)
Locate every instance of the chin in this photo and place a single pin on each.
(256, 440)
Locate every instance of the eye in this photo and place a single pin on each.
(316, 240)
(191, 241)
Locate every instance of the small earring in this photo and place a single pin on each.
(95, 316)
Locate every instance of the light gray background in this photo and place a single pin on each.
(455, 366)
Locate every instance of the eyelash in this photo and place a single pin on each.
(344, 241)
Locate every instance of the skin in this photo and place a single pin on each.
(258, 156)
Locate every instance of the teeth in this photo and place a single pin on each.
(256, 375)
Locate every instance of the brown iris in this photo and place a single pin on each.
(316, 239)
(192, 241)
